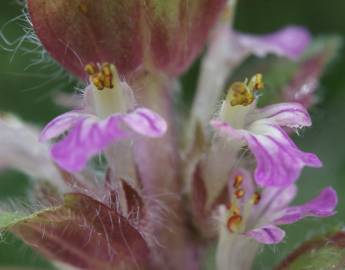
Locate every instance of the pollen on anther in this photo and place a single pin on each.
(239, 193)
(234, 223)
(108, 81)
(238, 181)
(257, 82)
(98, 81)
(91, 69)
(256, 198)
(106, 69)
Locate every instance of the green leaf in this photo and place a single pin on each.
(8, 219)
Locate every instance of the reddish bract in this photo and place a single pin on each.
(159, 35)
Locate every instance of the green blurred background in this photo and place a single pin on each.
(27, 90)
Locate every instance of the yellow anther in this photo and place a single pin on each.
(106, 69)
(256, 82)
(239, 193)
(234, 223)
(108, 81)
(102, 76)
(239, 94)
(238, 181)
(255, 198)
(243, 93)
(91, 69)
(98, 81)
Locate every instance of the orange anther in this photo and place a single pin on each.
(238, 181)
(256, 198)
(239, 193)
(234, 223)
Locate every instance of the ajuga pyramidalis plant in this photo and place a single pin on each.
(126, 182)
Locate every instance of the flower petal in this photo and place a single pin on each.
(289, 42)
(86, 139)
(275, 199)
(20, 149)
(268, 235)
(60, 124)
(226, 129)
(146, 122)
(292, 115)
(279, 161)
(321, 206)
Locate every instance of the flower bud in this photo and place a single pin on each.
(155, 35)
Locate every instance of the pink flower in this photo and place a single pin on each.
(228, 49)
(290, 42)
(90, 132)
(258, 214)
(279, 161)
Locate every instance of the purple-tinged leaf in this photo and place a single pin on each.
(164, 35)
(199, 193)
(135, 203)
(84, 233)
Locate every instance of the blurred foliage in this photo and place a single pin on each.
(27, 90)
(322, 253)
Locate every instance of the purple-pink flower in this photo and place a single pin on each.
(161, 198)
(279, 161)
(257, 214)
(229, 48)
(290, 42)
(114, 118)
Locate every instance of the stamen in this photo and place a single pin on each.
(240, 94)
(108, 81)
(239, 193)
(108, 75)
(91, 69)
(238, 181)
(255, 198)
(243, 93)
(256, 82)
(98, 81)
(106, 69)
(102, 76)
(234, 223)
